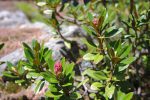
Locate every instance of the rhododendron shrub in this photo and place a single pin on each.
(117, 54)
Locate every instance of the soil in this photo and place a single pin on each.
(13, 37)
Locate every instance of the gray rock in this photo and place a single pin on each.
(86, 64)
(72, 31)
(11, 19)
(13, 57)
(56, 45)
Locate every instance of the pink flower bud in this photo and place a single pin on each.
(58, 68)
(95, 22)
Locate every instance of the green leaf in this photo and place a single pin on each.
(39, 86)
(123, 96)
(9, 65)
(68, 45)
(126, 51)
(82, 83)
(50, 94)
(32, 75)
(63, 62)
(88, 56)
(98, 58)
(125, 63)
(90, 17)
(118, 46)
(29, 55)
(8, 74)
(19, 81)
(20, 67)
(122, 67)
(120, 95)
(92, 95)
(97, 75)
(26, 46)
(52, 88)
(112, 31)
(75, 96)
(96, 85)
(35, 45)
(69, 68)
(49, 60)
(67, 84)
(1, 45)
(86, 28)
(129, 96)
(101, 21)
(89, 29)
(49, 77)
(128, 60)
(109, 91)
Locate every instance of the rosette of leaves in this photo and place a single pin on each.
(61, 87)
(26, 71)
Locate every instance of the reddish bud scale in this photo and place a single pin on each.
(58, 68)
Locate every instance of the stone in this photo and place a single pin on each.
(86, 64)
(11, 19)
(72, 31)
(13, 57)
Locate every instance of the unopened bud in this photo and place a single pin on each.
(95, 22)
(58, 68)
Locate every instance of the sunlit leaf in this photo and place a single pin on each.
(88, 56)
(96, 85)
(109, 91)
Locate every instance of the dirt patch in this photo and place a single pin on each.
(10, 5)
(13, 37)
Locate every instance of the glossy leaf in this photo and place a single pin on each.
(8, 74)
(123, 96)
(39, 86)
(98, 58)
(50, 94)
(126, 51)
(88, 56)
(49, 77)
(19, 81)
(97, 75)
(53, 88)
(122, 67)
(75, 96)
(96, 85)
(67, 84)
(90, 16)
(128, 60)
(109, 91)
(32, 75)
(82, 83)
(111, 32)
(89, 29)
(49, 60)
